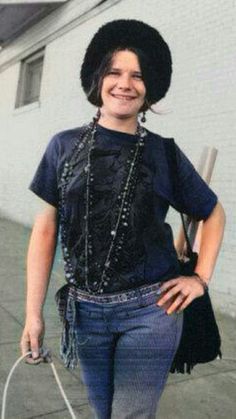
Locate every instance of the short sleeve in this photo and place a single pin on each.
(44, 183)
(194, 197)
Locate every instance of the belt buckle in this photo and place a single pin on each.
(122, 298)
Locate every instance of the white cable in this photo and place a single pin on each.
(7, 384)
(62, 391)
(3, 412)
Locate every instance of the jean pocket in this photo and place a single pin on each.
(82, 338)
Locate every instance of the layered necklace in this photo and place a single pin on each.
(124, 204)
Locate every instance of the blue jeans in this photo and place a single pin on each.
(125, 351)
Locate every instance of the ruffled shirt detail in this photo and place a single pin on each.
(148, 254)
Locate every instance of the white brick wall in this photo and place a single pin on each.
(199, 107)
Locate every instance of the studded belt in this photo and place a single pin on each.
(118, 297)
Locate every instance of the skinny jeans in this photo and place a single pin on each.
(125, 352)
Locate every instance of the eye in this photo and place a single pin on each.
(138, 76)
(112, 72)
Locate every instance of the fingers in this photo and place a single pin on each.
(32, 361)
(178, 302)
(167, 305)
(177, 294)
(31, 341)
(30, 344)
(34, 358)
(169, 284)
(34, 347)
(24, 345)
(184, 304)
(169, 294)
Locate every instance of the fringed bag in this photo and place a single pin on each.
(200, 341)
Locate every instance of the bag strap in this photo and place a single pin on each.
(173, 166)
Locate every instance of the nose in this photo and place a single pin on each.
(124, 82)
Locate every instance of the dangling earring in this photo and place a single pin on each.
(97, 116)
(143, 119)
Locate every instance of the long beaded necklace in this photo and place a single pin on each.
(124, 206)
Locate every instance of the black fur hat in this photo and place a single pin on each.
(130, 33)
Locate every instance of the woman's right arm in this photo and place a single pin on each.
(40, 258)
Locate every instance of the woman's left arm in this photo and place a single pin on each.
(211, 239)
(178, 293)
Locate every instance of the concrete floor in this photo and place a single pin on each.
(210, 391)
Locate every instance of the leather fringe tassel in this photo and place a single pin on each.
(182, 367)
(69, 341)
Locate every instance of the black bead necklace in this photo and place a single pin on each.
(123, 211)
(67, 173)
(124, 201)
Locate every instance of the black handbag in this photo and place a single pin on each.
(200, 340)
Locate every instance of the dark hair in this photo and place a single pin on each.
(94, 95)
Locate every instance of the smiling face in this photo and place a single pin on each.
(123, 90)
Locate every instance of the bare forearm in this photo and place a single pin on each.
(212, 235)
(39, 263)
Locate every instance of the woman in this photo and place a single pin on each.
(108, 187)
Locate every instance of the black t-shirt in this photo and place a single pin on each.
(148, 254)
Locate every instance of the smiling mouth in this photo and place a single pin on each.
(123, 97)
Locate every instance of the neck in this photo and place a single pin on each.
(119, 124)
